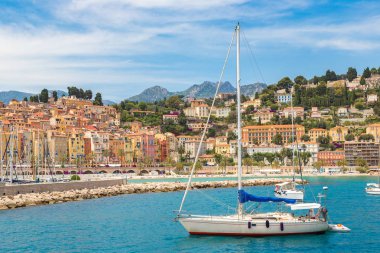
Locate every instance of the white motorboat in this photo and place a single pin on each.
(288, 190)
(372, 189)
(244, 223)
(291, 189)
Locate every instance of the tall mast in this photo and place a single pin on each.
(293, 135)
(240, 205)
(1, 152)
(11, 156)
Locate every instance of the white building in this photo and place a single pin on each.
(221, 112)
(372, 98)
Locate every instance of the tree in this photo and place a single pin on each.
(173, 102)
(342, 163)
(315, 80)
(285, 83)
(362, 80)
(330, 75)
(98, 99)
(247, 161)
(179, 166)
(351, 74)
(301, 80)
(198, 166)
(44, 96)
(376, 109)
(305, 137)
(55, 95)
(277, 139)
(250, 109)
(366, 73)
(318, 164)
(88, 94)
(258, 156)
(143, 106)
(211, 132)
(373, 71)
(349, 137)
(231, 136)
(25, 99)
(270, 158)
(305, 157)
(181, 151)
(34, 99)
(359, 105)
(360, 162)
(106, 153)
(366, 137)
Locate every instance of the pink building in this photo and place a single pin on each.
(148, 146)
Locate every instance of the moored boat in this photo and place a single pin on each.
(244, 223)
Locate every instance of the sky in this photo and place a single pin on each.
(121, 47)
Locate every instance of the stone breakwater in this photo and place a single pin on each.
(45, 198)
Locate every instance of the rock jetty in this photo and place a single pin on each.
(45, 198)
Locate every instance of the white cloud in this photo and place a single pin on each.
(96, 42)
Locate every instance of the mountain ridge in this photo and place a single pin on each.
(204, 90)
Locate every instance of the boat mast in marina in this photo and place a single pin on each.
(238, 109)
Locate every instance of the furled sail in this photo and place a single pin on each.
(245, 197)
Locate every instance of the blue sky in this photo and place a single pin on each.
(121, 47)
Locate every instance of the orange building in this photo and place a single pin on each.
(314, 133)
(330, 158)
(265, 133)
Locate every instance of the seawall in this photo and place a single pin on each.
(58, 186)
(44, 198)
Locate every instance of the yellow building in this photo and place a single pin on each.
(133, 148)
(338, 133)
(374, 129)
(76, 146)
(314, 133)
(57, 144)
(222, 148)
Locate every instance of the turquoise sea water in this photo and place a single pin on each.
(144, 223)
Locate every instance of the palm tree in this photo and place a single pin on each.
(181, 151)
(106, 154)
(121, 155)
(247, 162)
(343, 163)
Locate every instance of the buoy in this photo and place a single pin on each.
(249, 224)
(282, 226)
(267, 223)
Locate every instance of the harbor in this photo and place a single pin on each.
(144, 223)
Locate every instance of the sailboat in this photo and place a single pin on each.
(244, 223)
(374, 188)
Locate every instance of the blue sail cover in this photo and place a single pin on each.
(245, 197)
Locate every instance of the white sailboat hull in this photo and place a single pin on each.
(231, 226)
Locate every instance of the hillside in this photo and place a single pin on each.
(151, 94)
